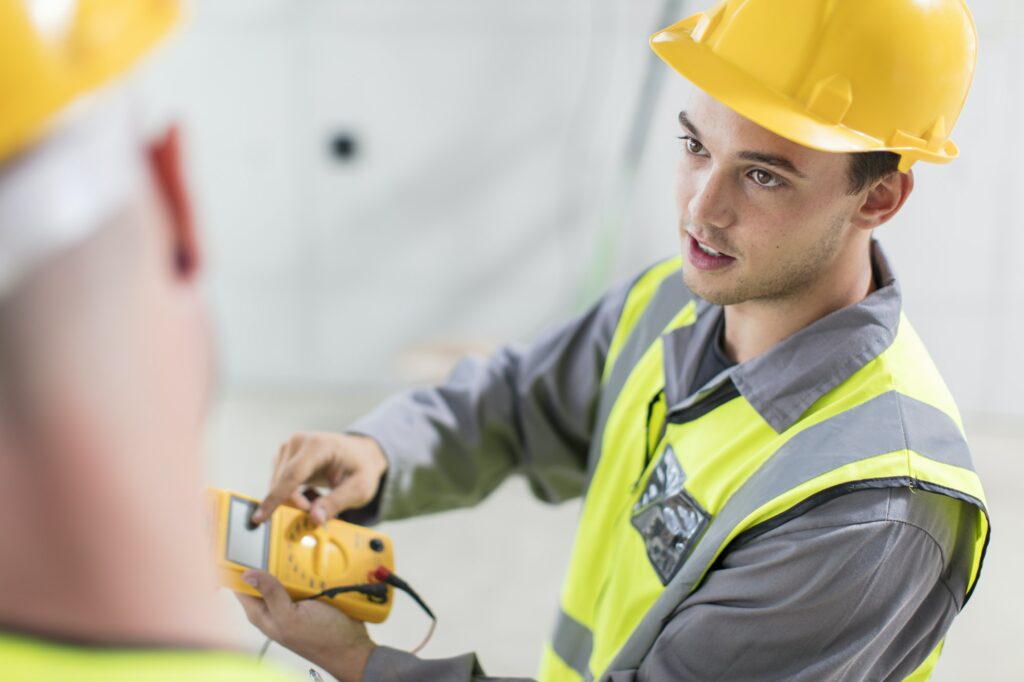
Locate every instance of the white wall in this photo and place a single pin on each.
(482, 196)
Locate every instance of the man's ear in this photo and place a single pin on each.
(884, 199)
(165, 157)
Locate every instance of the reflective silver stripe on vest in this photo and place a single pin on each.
(886, 423)
(666, 303)
(573, 643)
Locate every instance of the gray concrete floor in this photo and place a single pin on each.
(492, 574)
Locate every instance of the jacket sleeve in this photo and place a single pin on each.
(400, 666)
(863, 587)
(523, 410)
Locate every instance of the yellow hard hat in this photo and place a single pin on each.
(835, 75)
(53, 51)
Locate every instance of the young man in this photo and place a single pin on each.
(104, 367)
(776, 480)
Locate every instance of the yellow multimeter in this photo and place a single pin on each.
(306, 558)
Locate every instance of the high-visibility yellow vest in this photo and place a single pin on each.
(891, 423)
(27, 659)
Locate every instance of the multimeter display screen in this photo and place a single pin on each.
(246, 545)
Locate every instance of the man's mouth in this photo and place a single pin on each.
(708, 250)
(703, 257)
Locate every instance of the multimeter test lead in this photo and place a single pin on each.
(378, 590)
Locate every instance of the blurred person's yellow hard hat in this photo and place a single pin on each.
(835, 75)
(53, 51)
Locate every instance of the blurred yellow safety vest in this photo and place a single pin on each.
(28, 659)
(668, 497)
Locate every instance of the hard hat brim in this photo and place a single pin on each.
(771, 110)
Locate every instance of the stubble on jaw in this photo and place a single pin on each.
(792, 278)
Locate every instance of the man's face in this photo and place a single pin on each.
(777, 212)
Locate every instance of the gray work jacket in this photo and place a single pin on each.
(862, 587)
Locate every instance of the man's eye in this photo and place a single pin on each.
(764, 178)
(692, 145)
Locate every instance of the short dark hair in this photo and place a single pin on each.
(866, 167)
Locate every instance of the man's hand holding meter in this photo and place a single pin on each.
(312, 629)
(350, 465)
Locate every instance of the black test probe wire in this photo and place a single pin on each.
(376, 592)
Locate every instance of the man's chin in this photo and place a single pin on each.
(716, 295)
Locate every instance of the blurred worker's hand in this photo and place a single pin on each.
(350, 465)
(319, 633)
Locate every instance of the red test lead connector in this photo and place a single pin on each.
(386, 576)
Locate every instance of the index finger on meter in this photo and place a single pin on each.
(292, 475)
(297, 499)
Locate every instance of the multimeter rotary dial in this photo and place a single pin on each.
(312, 556)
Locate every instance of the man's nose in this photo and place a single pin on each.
(712, 203)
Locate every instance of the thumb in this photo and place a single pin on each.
(271, 589)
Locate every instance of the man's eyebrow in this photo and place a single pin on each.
(685, 121)
(767, 159)
(772, 160)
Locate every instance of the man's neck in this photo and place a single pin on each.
(754, 327)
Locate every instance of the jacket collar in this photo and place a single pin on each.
(787, 379)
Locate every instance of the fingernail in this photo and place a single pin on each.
(318, 514)
(250, 578)
(257, 516)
